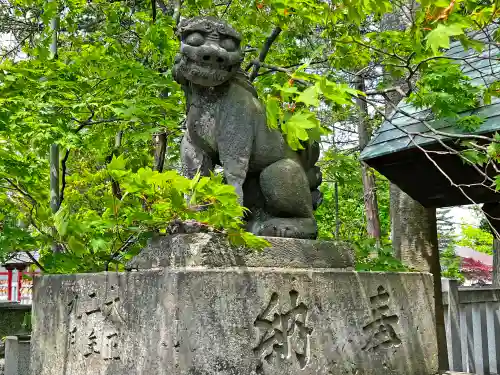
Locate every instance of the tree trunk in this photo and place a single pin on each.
(496, 263)
(160, 139)
(415, 243)
(371, 204)
(369, 186)
(414, 227)
(160, 151)
(54, 148)
(115, 186)
(414, 231)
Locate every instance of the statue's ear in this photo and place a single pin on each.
(179, 78)
(179, 28)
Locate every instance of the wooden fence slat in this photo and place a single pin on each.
(491, 333)
(452, 315)
(478, 341)
(484, 339)
(472, 319)
(464, 339)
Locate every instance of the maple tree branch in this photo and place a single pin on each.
(64, 161)
(437, 132)
(63, 177)
(272, 68)
(127, 243)
(397, 89)
(89, 122)
(372, 48)
(227, 8)
(16, 47)
(35, 261)
(412, 135)
(284, 69)
(34, 205)
(23, 192)
(162, 6)
(263, 53)
(440, 141)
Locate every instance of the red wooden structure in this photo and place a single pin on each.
(15, 270)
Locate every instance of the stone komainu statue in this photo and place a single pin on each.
(226, 125)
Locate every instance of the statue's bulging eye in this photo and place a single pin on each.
(229, 45)
(195, 39)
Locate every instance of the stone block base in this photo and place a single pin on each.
(234, 320)
(212, 250)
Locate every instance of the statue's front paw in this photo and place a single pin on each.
(279, 231)
(288, 228)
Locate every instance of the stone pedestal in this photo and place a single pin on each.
(17, 355)
(198, 313)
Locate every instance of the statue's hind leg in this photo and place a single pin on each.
(288, 202)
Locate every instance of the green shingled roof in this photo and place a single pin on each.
(397, 136)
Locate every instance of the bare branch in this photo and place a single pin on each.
(263, 53)
(85, 123)
(23, 192)
(273, 68)
(437, 132)
(374, 49)
(126, 244)
(283, 69)
(397, 89)
(34, 260)
(411, 136)
(162, 6)
(63, 177)
(227, 7)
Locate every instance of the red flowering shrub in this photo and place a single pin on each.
(476, 270)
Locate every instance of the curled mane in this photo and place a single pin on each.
(241, 79)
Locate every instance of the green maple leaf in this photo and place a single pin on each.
(273, 112)
(76, 245)
(303, 120)
(440, 36)
(309, 96)
(296, 128)
(117, 163)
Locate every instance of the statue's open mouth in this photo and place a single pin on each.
(209, 65)
(216, 73)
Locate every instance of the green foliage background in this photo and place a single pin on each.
(112, 81)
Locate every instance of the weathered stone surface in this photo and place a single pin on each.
(12, 316)
(227, 126)
(234, 321)
(212, 250)
(17, 355)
